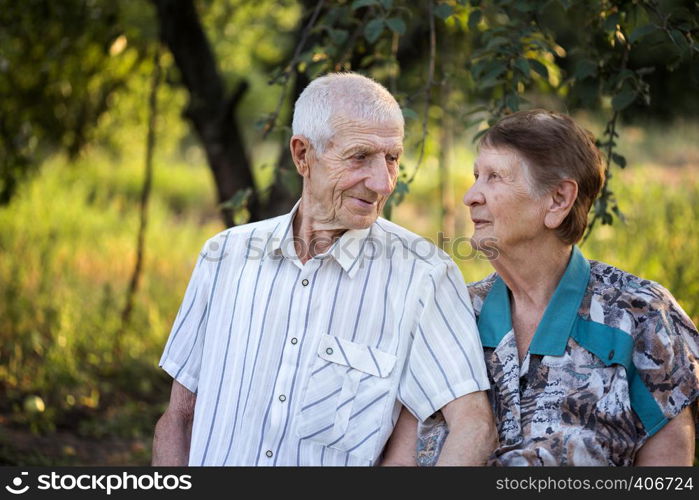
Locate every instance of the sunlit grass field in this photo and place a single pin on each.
(69, 370)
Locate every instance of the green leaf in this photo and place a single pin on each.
(490, 78)
(623, 100)
(611, 22)
(642, 31)
(586, 92)
(387, 4)
(539, 68)
(567, 4)
(480, 133)
(496, 41)
(619, 214)
(478, 68)
(358, 4)
(443, 10)
(338, 36)
(396, 198)
(679, 39)
(525, 6)
(373, 30)
(474, 18)
(622, 76)
(619, 160)
(585, 68)
(512, 102)
(409, 114)
(396, 24)
(238, 201)
(523, 66)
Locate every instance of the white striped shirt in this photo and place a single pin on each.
(308, 364)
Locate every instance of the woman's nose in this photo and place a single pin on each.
(473, 196)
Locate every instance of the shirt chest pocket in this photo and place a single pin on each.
(346, 397)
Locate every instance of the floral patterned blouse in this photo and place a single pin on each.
(613, 359)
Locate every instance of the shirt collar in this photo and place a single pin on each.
(551, 336)
(348, 250)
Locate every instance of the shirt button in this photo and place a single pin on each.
(304, 282)
(329, 350)
(282, 398)
(294, 340)
(611, 354)
(269, 453)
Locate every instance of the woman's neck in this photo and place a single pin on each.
(532, 271)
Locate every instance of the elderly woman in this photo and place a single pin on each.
(588, 364)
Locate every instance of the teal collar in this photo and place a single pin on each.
(551, 336)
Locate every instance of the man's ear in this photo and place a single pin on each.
(301, 152)
(561, 201)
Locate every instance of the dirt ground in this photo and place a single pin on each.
(21, 447)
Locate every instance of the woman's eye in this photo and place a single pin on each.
(493, 175)
(475, 176)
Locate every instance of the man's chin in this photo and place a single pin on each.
(358, 222)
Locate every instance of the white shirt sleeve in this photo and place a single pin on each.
(183, 351)
(445, 360)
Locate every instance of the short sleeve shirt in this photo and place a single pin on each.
(613, 359)
(308, 364)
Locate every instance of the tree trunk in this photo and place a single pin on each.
(210, 111)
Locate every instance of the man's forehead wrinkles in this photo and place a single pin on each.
(349, 123)
(373, 143)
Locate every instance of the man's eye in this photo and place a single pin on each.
(392, 158)
(493, 175)
(359, 156)
(475, 176)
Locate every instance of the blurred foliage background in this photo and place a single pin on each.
(130, 132)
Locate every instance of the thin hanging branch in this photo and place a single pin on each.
(290, 70)
(393, 77)
(610, 132)
(145, 191)
(352, 42)
(427, 89)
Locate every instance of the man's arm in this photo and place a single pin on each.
(672, 445)
(173, 432)
(402, 446)
(472, 434)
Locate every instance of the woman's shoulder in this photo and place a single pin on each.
(479, 290)
(610, 282)
(623, 300)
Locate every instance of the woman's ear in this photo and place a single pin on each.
(300, 153)
(561, 203)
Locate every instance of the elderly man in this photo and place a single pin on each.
(300, 338)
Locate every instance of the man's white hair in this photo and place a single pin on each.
(350, 94)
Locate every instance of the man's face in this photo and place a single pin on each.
(348, 184)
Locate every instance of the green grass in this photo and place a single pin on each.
(67, 249)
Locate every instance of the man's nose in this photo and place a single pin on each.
(380, 180)
(474, 196)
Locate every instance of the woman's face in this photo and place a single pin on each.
(504, 209)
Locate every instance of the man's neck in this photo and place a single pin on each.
(311, 236)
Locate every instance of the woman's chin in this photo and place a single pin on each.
(486, 244)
